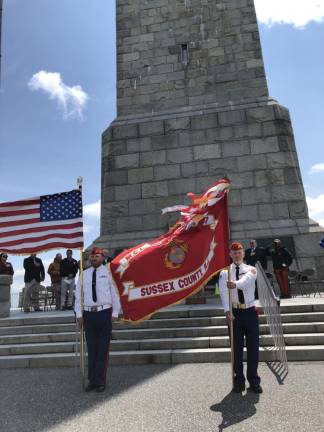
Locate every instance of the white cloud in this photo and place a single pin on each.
(316, 205)
(316, 208)
(72, 100)
(317, 168)
(92, 210)
(91, 213)
(298, 13)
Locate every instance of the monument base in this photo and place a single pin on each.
(151, 161)
(5, 285)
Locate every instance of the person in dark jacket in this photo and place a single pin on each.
(54, 270)
(5, 266)
(34, 275)
(253, 255)
(281, 260)
(69, 269)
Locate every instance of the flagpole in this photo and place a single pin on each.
(82, 362)
(230, 303)
(82, 357)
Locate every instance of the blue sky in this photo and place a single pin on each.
(47, 143)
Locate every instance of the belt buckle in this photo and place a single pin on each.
(241, 306)
(93, 308)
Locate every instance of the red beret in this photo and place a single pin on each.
(97, 251)
(236, 246)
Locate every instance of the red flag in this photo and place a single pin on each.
(166, 270)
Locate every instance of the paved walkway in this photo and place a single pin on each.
(156, 398)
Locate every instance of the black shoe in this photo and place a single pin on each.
(100, 388)
(90, 387)
(38, 310)
(256, 389)
(238, 388)
(26, 310)
(69, 308)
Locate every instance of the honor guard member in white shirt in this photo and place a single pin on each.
(101, 307)
(244, 316)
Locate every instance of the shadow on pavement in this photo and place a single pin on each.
(278, 370)
(33, 400)
(236, 407)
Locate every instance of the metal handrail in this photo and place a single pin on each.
(270, 303)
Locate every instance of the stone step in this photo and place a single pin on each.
(156, 344)
(177, 356)
(38, 338)
(209, 331)
(36, 348)
(44, 328)
(174, 312)
(215, 321)
(131, 334)
(157, 324)
(298, 317)
(38, 319)
(200, 342)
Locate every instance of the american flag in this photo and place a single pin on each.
(42, 223)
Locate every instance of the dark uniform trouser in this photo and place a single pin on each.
(246, 324)
(98, 326)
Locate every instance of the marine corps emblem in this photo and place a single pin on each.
(176, 255)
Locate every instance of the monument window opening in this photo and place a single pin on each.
(184, 54)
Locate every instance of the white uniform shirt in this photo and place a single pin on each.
(246, 283)
(105, 290)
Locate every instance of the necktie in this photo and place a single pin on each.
(240, 292)
(94, 280)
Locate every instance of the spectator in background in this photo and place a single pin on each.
(5, 266)
(54, 270)
(281, 260)
(108, 259)
(254, 254)
(86, 263)
(69, 269)
(34, 275)
(322, 243)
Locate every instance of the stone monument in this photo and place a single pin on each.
(193, 106)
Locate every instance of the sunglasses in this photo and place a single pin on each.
(5, 256)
